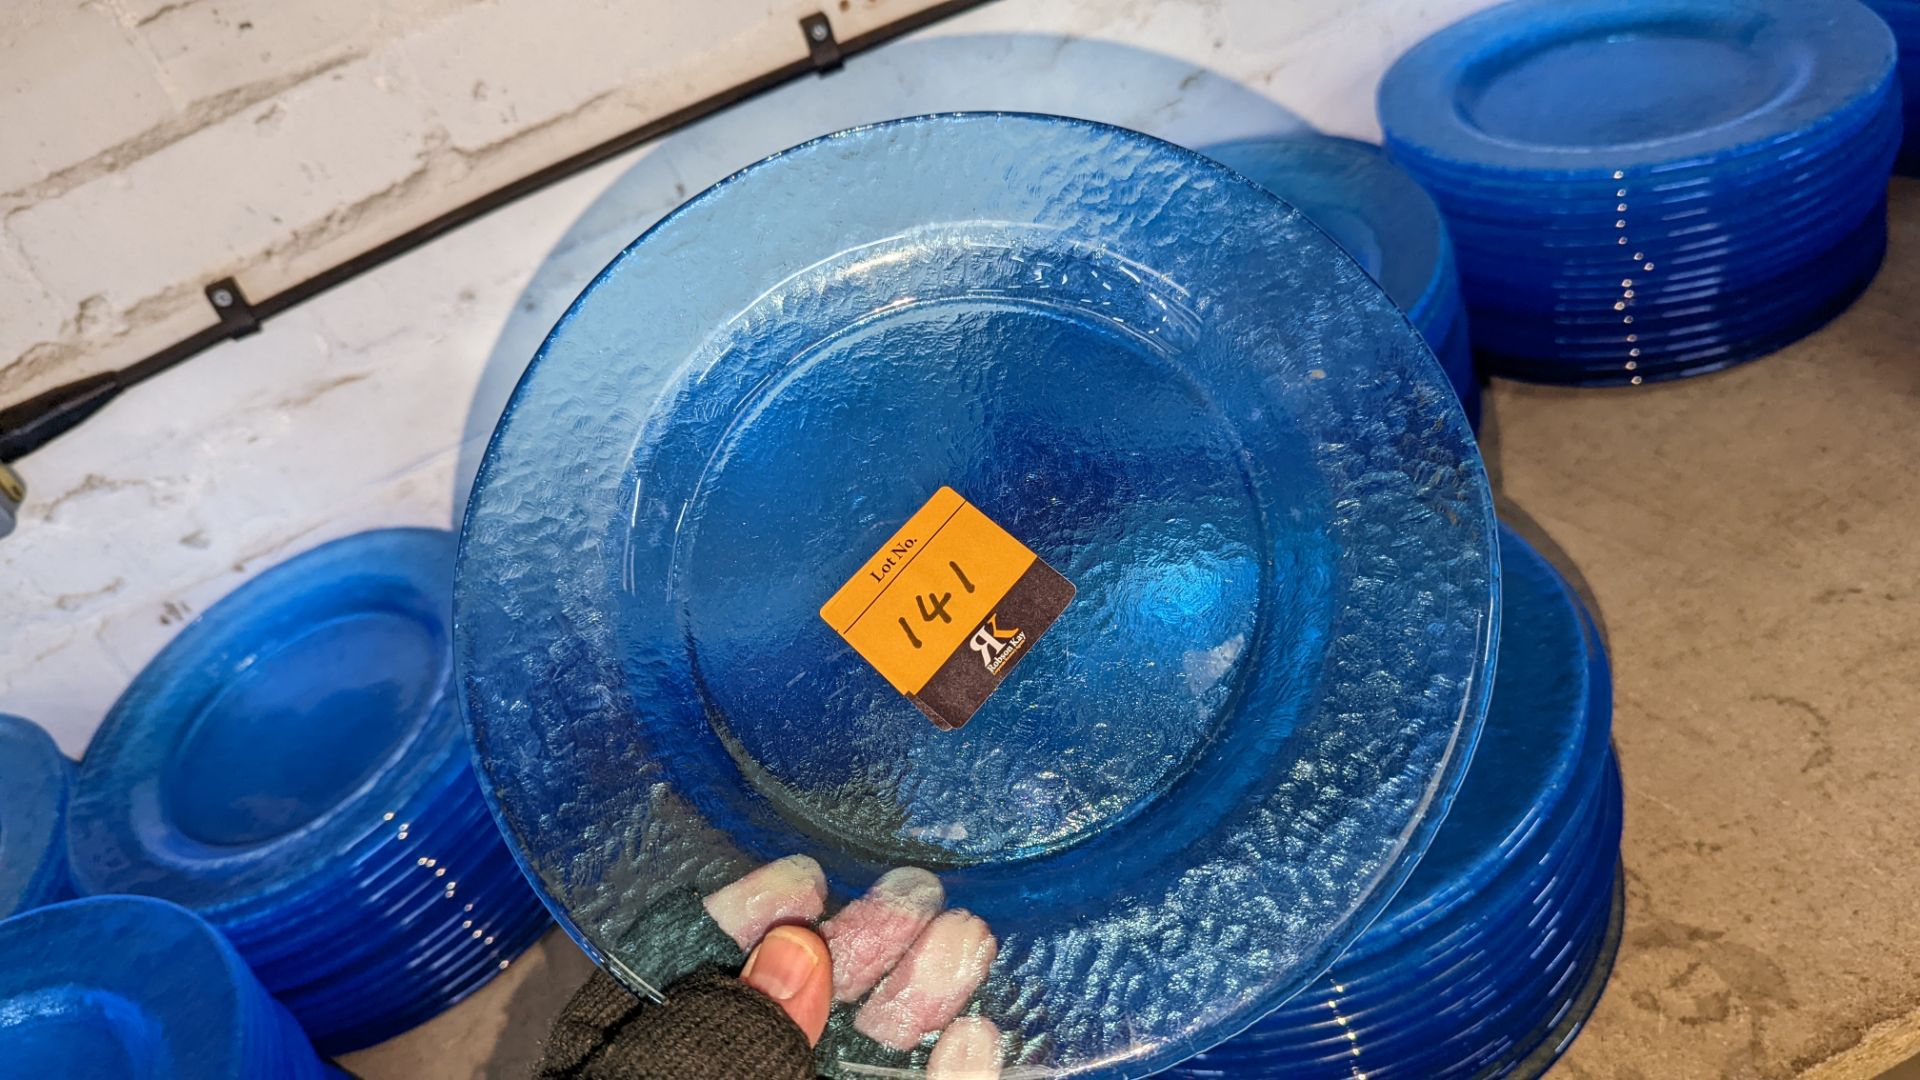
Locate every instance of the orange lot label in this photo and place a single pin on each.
(933, 604)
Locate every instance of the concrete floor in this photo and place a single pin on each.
(493, 1035)
(1748, 539)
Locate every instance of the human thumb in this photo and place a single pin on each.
(791, 965)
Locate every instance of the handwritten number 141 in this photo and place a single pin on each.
(934, 607)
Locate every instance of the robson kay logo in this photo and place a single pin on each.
(996, 646)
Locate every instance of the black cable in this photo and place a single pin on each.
(31, 424)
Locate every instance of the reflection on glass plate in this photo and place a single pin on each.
(1203, 780)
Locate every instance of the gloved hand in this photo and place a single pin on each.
(760, 1026)
(904, 967)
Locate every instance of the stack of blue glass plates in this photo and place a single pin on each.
(1493, 955)
(113, 987)
(35, 779)
(292, 768)
(1650, 190)
(1903, 18)
(1197, 785)
(1380, 215)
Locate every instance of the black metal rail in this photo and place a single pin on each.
(28, 425)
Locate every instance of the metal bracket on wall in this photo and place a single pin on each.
(237, 317)
(26, 426)
(822, 48)
(33, 423)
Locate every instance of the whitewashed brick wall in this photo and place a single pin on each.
(150, 146)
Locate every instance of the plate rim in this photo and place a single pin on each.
(214, 880)
(1417, 100)
(473, 551)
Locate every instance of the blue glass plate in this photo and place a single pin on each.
(1598, 353)
(1549, 219)
(1217, 766)
(1449, 1028)
(1799, 228)
(1493, 938)
(1441, 999)
(1533, 1055)
(291, 766)
(1903, 18)
(270, 736)
(1545, 737)
(1375, 211)
(1732, 285)
(1453, 1023)
(1547, 190)
(111, 987)
(407, 917)
(308, 946)
(35, 779)
(425, 971)
(1704, 203)
(1753, 214)
(1594, 86)
(1454, 350)
(441, 809)
(1369, 205)
(1602, 365)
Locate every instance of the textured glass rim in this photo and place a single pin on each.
(1583, 899)
(1390, 188)
(173, 1012)
(1833, 147)
(226, 878)
(36, 780)
(1552, 1044)
(1474, 679)
(1583, 771)
(1417, 99)
(1794, 177)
